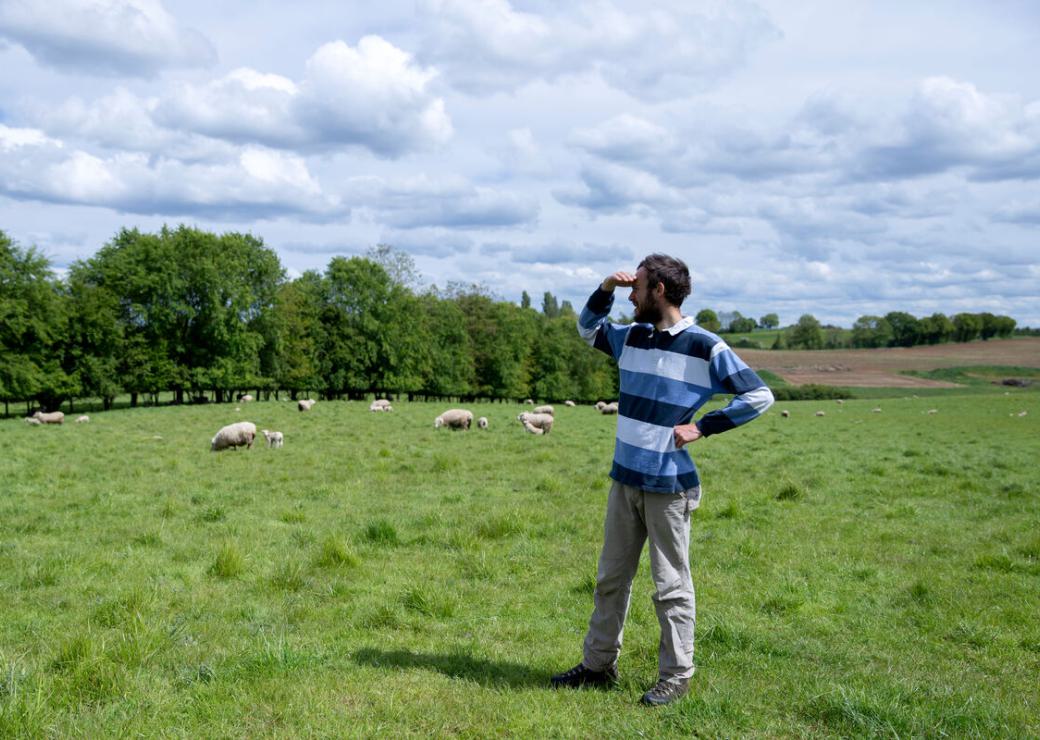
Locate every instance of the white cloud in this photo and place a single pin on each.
(487, 46)
(121, 37)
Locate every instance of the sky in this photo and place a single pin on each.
(833, 157)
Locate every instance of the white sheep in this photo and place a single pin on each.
(600, 405)
(274, 439)
(785, 413)
(544, 410)
(820, 413)
(83, 419)
(454, 419)
(33, 421)
(245, 398)
(876, 410)
(528, 426)
(543, 422)
(529, 402)
(933, 411)
(841, 401)
(380, 404)
(482, 422)
(305, 404)
(55, 417)
(234, 435)
(569, 403)
(609, 408)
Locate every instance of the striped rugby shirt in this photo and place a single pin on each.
(665, 377)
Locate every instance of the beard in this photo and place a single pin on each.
(647, 313)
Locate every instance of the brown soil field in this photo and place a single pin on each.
(880, 368)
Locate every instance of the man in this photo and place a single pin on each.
(669, 368)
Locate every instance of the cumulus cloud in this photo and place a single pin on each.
(422, 201)
(489, 46)
(429, 242)
(559, 253)
(106, 37)
(612, 188)
(371, 96)
(257, 184)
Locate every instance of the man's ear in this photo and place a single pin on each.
(659, 290)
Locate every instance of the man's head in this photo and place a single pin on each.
(660, 280)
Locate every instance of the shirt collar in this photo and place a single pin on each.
(684, 323)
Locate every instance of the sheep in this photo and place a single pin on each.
(820, 413)
(532, 428)
(32, 420)
(305, 404)
(482, 423)
(600, 405)
(841, 401)
(274, 439)
(876, 410)
(454, 419)
(234, 435)
(529, 402)
(245, 398)
(55, 417)
(609, 408)
(544, 410)
(569, 403)
(543, 422)
(1022, 413)
(785, 413)
(933, 411)
(83, 419)
(380, 404)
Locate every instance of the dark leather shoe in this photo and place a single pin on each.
(579, 676)
(665, 692)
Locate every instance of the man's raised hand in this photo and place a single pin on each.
(623, 279)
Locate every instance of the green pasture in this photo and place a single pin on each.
(860, 573)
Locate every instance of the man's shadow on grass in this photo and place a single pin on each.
(456, 665)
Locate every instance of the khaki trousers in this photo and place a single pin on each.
(633, 516)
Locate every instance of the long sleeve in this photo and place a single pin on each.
(751, 396)
(594, 327)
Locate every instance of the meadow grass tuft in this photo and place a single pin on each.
(380, 532)
(790, 491)
(230, 563)
(335, 553)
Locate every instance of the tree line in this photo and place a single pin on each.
(206, 317)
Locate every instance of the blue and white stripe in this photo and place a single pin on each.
(665, 378)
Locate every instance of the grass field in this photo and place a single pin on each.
(859, 573)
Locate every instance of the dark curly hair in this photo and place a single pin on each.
(660, 268)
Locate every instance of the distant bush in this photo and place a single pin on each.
(808, 392)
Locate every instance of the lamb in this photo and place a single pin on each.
(234, 435)
(569, 403)
(542, 422)
(609, 408)
(305, 404)
(83, 419)
(820, 413)
(600, 405)
(55, 417)
(482, 422)
(544, 410)
(454, 419)
(380, 404)
(785, 413)
(532, 428)
(274, 439)
(529, 401)
(876, 410)
(245, 398)
(33, 421)
(933, 411)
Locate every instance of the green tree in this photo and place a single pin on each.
(807, 333)
(935, 329)
(525, 300)
(550, 307)
(871, 331)
(905, 328)
(740, 324)
(967, 326)
(769, 321)
(708, 319)
(297, 318)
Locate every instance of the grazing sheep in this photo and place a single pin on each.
(544, 410)
(454, 419)
(933, 411)
(544, 422)
(31, 420)
(305, 404)
(234, 435)
(609, 408)
(876, 410)
(482, 422)
(600, 405)
(380, 404)
(532, 428)
(569, 403)
(529, 401)
(841, 401)
(55, 417)
(83, 419)
(245, 398)
(785, 413)
(1022, 413)
(274, 439)
(820, 413)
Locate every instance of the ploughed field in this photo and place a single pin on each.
(885, 367)
(858, 573)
